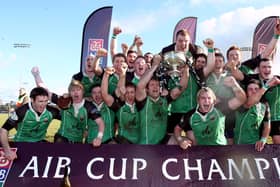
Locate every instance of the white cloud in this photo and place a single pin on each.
(197, 3)
(235, 27)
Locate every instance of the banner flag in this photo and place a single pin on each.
(5, 166)
(263, 34)
(188, 23)
(43, 164)
(96, 34)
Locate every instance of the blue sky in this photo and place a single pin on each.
(54, 30)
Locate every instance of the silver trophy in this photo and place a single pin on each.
(172, 61)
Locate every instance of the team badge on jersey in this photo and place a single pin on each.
(46, 120)
(212, 117)
(5, 166)
(82, 118)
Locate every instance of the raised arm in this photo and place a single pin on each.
(176, 92)
(235, 72)
(239, 93)
(96, 63)
(38, 80)
(256, 97)
(108, 99)
(138, 43)
(124, 48)
(121, 90)
(113, 43)
(210, 65)
(141, 86)
(273, 42)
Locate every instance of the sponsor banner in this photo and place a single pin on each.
(263, 34)
(96, 34)
(5, 166)
(42, 164)
(188, 23)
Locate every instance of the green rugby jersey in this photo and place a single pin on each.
(129, 126)
(245, 69)
(187, 100)
(248, 123)
(113, 83)
(73, 125)
(108, 117)
(208, 129)
(74, 121)
(152, 120)
(31, 126)
(272, 95)
(217, 85)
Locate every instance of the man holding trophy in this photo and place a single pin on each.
(174, 56)
(152, 104)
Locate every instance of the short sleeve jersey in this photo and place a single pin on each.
(208, 129)
(31, 126)
(152, 120)
(248, 123)
(108, 117)
(217, 85)
(187, 100)
(129, 126)
(74, 122)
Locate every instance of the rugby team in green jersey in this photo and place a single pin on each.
(214, 102)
